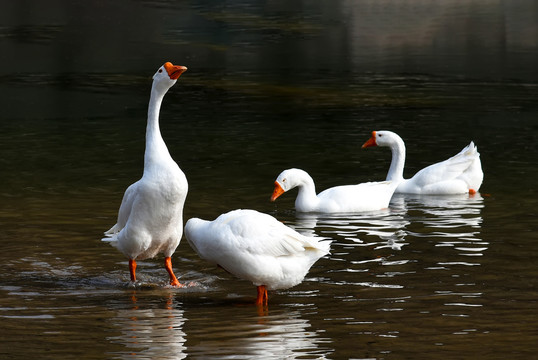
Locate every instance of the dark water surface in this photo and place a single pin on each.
(270, 85)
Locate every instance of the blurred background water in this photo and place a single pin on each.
(270, 85)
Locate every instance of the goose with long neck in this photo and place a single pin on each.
(369, 196)
(150, 219)
(462, 173)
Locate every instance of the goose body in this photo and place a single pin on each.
(150, 218)
(256, 247)
(369, 196)
(462, 173)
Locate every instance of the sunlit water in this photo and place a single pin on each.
(270, 86)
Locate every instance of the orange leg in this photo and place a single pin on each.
(472, 191)
(132, 269)
(262, 295)
(168, 266)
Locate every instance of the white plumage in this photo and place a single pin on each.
(369, 196)
(462, 173)
(150, 219)
(255, 246)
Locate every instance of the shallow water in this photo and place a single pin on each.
(270, 86)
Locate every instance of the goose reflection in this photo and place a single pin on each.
(459, 204)
(275, 335)
(151, 333)
(372, 243)
(448, 217)
(380, 228)
(453, 221)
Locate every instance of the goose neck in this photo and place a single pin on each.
(398, 161)
(307, 199)
(155, 145)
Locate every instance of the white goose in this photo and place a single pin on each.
(150, 219)
(369, 196)
(256, 247)
(459, 174)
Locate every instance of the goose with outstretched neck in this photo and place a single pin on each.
(150, 218)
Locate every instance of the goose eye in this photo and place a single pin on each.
(380, 135)
(160, 70)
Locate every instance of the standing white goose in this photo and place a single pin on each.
(150, 219)
(257, 247)
(462, 173)
(369, 196)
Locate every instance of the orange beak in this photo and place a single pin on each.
(277, 192)
(370, 142)
(174, 71)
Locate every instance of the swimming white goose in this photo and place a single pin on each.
(369, 196)
(150, 219)
(257, 247)
(459, 174)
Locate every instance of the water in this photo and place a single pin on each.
(270, 85)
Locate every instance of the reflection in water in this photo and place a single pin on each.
(373, 243)
(444, 214)
(392, 271)
(386, 225)
(149, 332)
(276, 335)
(453, 221)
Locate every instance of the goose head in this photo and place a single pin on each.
(382, 138)
(287, 180)
(167, 75)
